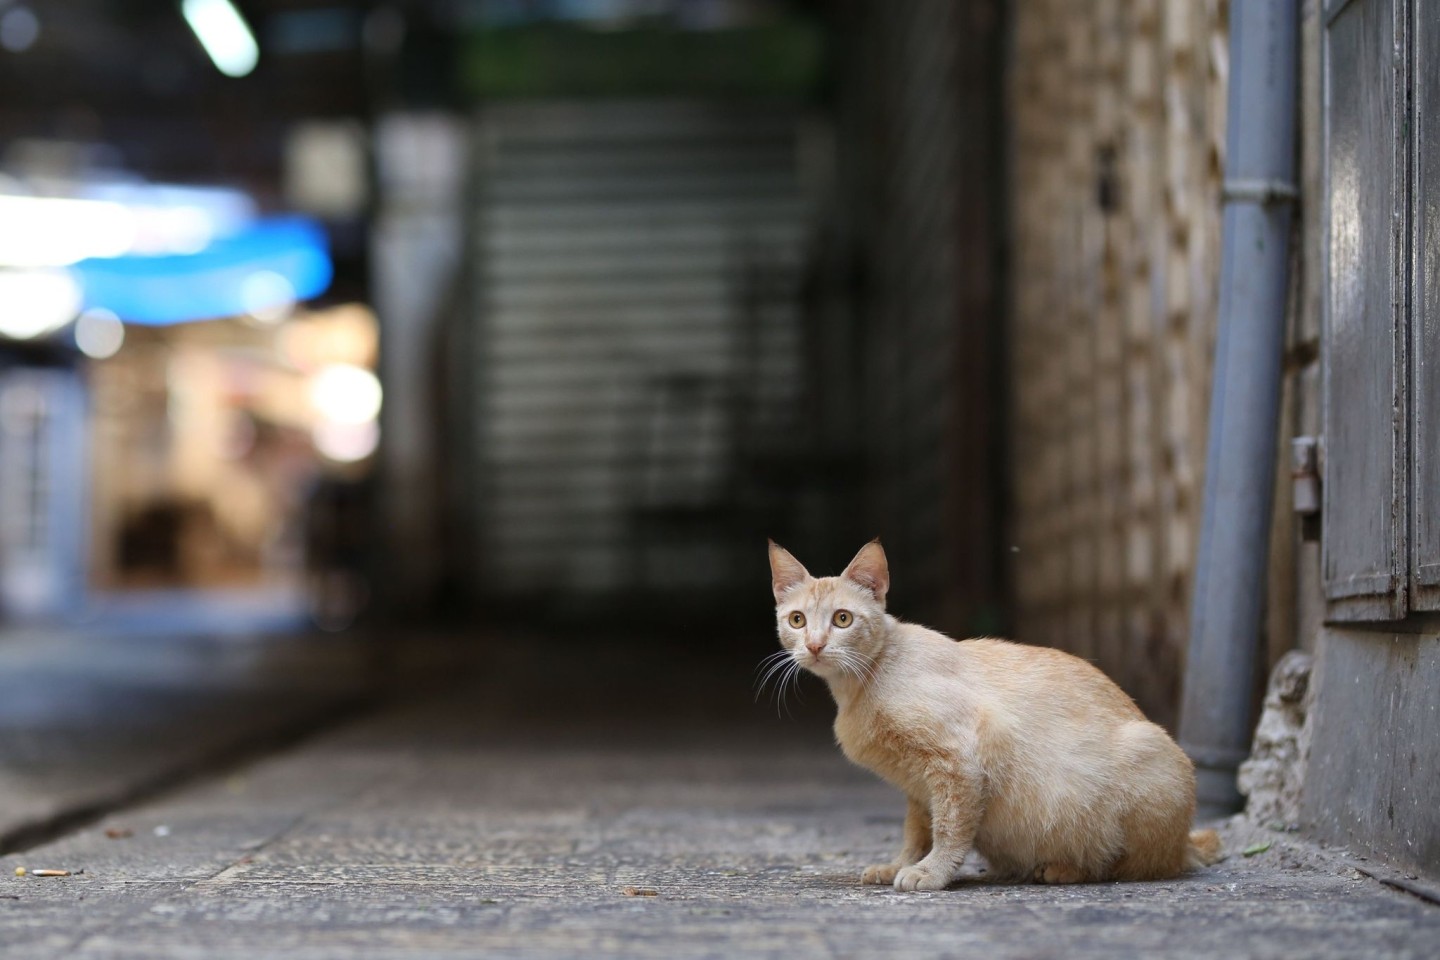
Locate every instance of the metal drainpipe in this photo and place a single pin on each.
(1215, 717)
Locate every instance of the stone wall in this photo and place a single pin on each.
(1117, 113)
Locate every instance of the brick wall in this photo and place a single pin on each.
(1117, 127)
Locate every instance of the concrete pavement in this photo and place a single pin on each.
(508, 819)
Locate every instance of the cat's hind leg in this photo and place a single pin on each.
(1156, 820)
(1060, 873)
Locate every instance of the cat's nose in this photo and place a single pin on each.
(815, 646)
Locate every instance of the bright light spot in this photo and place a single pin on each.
(19, 29)
(180, 229)
(99, 334)
(268, 297)
(36, 302)
(346, 442)
(54, 232)
(224, 34)
(346, 394)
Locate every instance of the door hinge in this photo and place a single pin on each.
(1305, 485)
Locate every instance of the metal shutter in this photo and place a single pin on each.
(637, 335)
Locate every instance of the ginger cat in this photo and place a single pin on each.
(1028, 755)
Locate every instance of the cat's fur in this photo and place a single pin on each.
(1028, 755)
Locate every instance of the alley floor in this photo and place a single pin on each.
(584, 811)
(90, 720)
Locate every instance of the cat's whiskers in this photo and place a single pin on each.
(868, 666)
(857, 665)
(852, 664)
(772, 666)
(795, 675)
(771, 660)
(790, 677)
(783, 669)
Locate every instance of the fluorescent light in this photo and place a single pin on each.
(54, 232)
(36, 302)
(224, 34)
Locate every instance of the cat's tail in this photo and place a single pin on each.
(1204, 848)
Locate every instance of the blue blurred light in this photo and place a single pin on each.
(161, 290)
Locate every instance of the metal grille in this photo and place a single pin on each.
(638, 339)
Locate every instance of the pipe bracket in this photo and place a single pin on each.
(1263, 192)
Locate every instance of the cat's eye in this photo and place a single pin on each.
(796, 619)
(842, 618)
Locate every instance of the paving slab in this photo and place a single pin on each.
(508, 819)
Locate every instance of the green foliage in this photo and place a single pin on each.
(785, 59)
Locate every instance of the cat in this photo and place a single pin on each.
(1027, 755)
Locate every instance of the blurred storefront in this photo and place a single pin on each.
(174, 419)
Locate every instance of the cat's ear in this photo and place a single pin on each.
(870, 570)
(785, 571)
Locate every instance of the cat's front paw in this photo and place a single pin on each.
(920, 877)
(881, 873)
